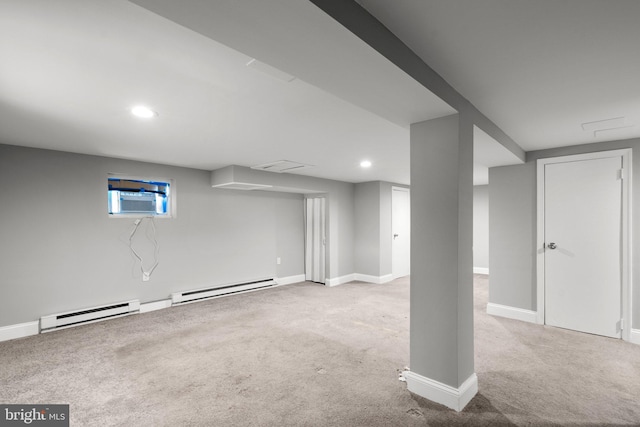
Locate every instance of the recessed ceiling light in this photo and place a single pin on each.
(143, 112)
(365, 164)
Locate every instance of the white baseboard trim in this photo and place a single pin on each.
(512, 312)
(20, 330)
(155, 305)
(340, 280)
(359, 277)
(290, 279)
(451, 397)
(33, 328)
(634, 338)
(480, 270)
(373, 279)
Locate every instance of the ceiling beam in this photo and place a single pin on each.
(364, 25)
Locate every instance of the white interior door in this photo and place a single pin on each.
(582, 256)
(315, 252)
(401, 229)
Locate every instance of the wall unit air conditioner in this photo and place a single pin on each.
(137, 202)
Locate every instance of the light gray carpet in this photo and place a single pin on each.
(309, 355)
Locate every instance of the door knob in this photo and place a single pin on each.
(551, 245)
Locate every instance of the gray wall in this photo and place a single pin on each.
(341, 222)
(512, 238)
(340, 209)
(512, 242)
(373, 234)
(61, 251)
(481, 226)
(367, 228)
(386, 233)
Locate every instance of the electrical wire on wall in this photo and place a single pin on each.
(146, 273)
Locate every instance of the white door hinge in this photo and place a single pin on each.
(620, 174)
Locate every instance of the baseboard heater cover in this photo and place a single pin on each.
(201, 294)
(88, 315)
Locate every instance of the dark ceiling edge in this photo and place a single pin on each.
(360, 22)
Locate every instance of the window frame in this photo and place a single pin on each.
(171, 196)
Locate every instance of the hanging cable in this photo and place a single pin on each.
(146, 274)
(156, 246)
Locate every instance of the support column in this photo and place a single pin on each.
(441, 335)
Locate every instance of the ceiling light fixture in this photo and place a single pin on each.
(365, 164)
(143, 112)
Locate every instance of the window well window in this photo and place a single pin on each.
(138, 197)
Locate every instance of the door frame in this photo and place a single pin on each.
(626, 237)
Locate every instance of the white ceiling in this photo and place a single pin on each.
(71, 69)
(536, 68)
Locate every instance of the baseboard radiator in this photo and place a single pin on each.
(201, 294)
(88, 315)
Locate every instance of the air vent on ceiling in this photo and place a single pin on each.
(242, 186)
(281, 166)
(271, 71)
(599, 126)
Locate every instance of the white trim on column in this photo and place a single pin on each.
(19, 330)
(634, 336)
(451, 397)
(626, 232)
(480, 270)
(512, 312)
